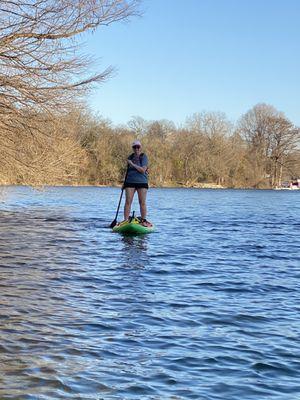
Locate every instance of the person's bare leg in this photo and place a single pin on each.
(129, 197)
(142, 193)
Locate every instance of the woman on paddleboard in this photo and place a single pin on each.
(137, 180)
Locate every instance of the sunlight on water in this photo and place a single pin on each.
(206, 307)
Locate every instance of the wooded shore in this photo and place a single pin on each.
(260, 150)
(48, 136)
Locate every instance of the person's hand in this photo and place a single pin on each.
(130, 162)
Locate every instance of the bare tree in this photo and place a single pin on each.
(39, 60)
(41, 68)
(271, 137)
(213, 130)
(284, 139)
(138, 126)
(254, 128)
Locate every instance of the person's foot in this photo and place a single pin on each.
(146, 223)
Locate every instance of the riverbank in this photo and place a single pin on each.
(119, 185)
(168, 185)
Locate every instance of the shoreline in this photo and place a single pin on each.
(167, 186)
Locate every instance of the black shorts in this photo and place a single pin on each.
(136, 185)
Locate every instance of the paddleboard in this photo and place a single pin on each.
(132, 227)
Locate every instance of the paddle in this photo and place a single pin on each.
(115, 220)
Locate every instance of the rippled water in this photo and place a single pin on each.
(207, 307)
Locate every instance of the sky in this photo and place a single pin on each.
(183, 57)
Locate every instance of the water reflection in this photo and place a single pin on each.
(135, 251)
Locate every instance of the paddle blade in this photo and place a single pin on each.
(114, 223)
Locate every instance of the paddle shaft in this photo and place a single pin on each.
(121, 196)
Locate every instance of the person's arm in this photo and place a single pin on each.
(142, 170)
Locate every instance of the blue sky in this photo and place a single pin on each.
(183, 57)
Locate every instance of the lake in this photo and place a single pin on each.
(207, 307)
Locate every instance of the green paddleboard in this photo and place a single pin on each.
(134, 227)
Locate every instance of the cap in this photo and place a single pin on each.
(136, 143)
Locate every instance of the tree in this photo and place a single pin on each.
(284, 138)
(39, 60)
(138, 126)
(254, 128)
(270, 137)
(41, 68)
(213, 131)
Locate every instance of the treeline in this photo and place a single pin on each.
(46, 139)
(258, 151)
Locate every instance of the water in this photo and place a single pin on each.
(207, 307)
